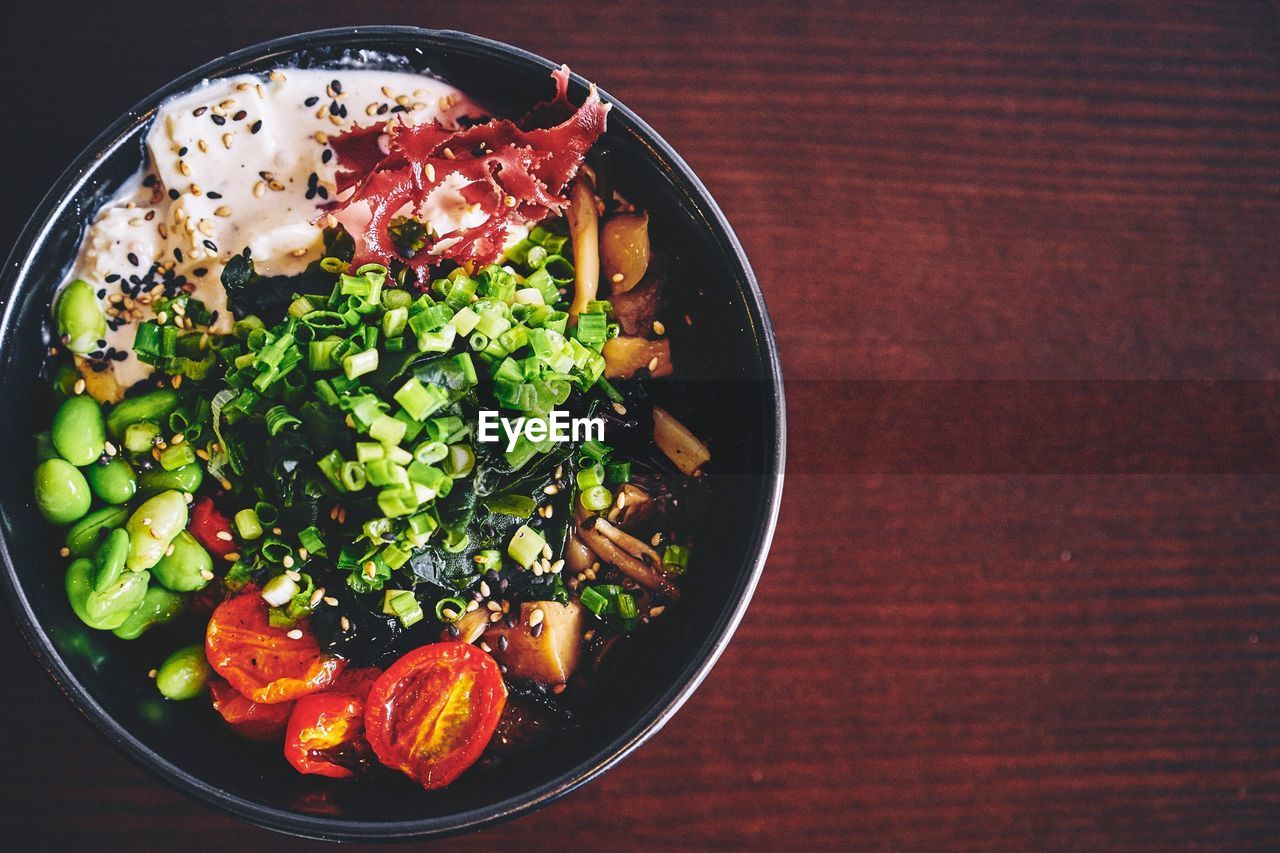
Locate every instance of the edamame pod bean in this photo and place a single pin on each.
(140, 436)
(64, 382)
(153, 526)
(185, 479)
(158, 606)
(108, 610)
(187, 567)
(78, 431)
(108, 562)
(81, 320)
(44, 448)
(184, 674)
(62, 494)
(85, 535)
(152, 406)
(114, 482)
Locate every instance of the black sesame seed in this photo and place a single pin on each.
(311, 179)
(336, 85)
(342, 110)
(311, 193)
(119, 355)
(217, 119)
(102, 343)
(201, 272)
(182, 152)
(213, 194)
(102, 294)
(247, 252)
(256, 126)
(322, 192)
(173, 195)
(503, 642)
(149, 181)
(98, 366)
(312, 101)
(239, 116)
(177, 254)
(382, 110)
(502, 585)
(453, 630)
(334, 108)
(510, 621)
(213, 317)
(133, 259)
(113, 277)
(200, 111)
(210, 245)
(327, 155)
(399, 108)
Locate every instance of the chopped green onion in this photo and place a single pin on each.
(675, 559)
(450, 609)
(594, 601)
(248, 525)
(526, 546)
(596, 498)
(360, 363)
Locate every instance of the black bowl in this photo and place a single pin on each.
(730, 393)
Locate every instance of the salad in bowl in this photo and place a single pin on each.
(352, 407)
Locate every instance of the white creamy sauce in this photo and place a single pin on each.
(231, 166)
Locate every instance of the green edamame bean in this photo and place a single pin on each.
(81, 320)
(152, 406)
(187, 567)
(158, 606)
(153, 526)
(85, 535)
(78, 431)
(64, 382)
(108, 562)
(107, 610)
(62, 494)
(138, 437)
(184, 674)
(185, 479)
(44, 448)
(114, 482)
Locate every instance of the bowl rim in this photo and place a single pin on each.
(660, 710)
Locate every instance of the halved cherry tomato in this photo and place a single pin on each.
(265, 663)
(326, 736)
(356, 681)
(431, 714)
(250, 719)
(206, 523)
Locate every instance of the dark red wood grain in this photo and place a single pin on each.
(941, 653)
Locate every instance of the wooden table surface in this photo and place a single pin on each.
(979, 624)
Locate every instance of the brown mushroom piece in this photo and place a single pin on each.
(624, 357)
(584, 229)
(679, 444)
(544, 645)
(633, 566)
(637, 307)
(635, 506)
(624, 250)
(577, 556)
(470, 627)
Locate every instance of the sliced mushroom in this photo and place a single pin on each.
(636, 505)
(624, 357)
(584, 230)
(629, 565)
(624, 250)
(637, 307)
(633, 546)
(544, 646)
(679, 444)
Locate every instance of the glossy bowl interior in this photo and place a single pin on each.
(730, 393)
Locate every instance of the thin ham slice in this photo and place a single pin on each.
(514, 173)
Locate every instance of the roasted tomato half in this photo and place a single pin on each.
(265, 663)
(250, 719)
(207, 522)
(326, 736)
(432, 713)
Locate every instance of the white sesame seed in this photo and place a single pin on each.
(658, 611)
(287, 561)
(232, 556)
(331, 601)
(295, 634)
(224, 536)
(658, 328)
(619, 408)
(206, 574)
(617, 277)
(151, 673)
(551, 489)
(536, 617)
(345, 623)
